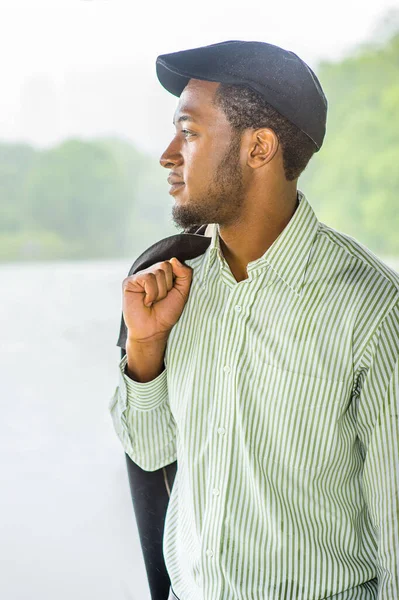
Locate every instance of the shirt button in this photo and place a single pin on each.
(209, 553)
(238, 308)
(226, 369)
(215, 492)
(221, 430)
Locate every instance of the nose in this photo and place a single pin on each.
(171, 156)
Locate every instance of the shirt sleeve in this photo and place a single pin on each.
(378, 430)
(143, 420)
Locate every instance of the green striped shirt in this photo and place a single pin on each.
(279, 401)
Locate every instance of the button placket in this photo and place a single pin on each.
(221, 420)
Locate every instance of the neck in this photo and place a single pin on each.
(258, 227)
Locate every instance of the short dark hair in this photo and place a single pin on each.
(245, 109)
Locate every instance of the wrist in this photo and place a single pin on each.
(145, 359)
(147, 345)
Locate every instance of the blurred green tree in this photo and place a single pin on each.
(354, 181)
(104, 198)
(16, 161)
(78, 192)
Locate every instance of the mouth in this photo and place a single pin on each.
(175, 187)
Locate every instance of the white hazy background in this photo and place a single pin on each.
(86, 69)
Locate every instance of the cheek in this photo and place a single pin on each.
(204, 154)
(199, 165)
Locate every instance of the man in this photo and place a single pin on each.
(267, 365)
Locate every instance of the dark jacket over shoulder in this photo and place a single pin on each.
(151, 490)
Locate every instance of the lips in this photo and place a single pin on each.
(174, 180)
(175, 187)
(176, 183)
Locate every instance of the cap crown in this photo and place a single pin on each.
(283, 79)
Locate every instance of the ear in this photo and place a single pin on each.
(263, 145)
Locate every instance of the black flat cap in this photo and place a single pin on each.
(283, 79)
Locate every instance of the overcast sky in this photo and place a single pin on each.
(87, 67)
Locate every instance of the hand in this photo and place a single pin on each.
(153, 300)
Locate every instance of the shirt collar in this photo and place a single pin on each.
(289, 254)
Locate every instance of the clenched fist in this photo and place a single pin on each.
(153, 300)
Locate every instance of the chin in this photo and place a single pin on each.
(183, 217)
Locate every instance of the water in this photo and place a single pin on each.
(68, 528)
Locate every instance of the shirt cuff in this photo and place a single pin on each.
(143, 396)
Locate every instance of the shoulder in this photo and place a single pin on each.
(371, 286)
(372, 270)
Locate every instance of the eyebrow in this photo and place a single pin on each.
(184, 118)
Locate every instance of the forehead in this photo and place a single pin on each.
(197, 101)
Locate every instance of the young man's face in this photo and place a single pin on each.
(204, 161)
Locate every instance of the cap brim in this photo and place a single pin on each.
(171, 80)
(208, 63)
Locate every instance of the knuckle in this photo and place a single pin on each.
(125, 282)
(160, 274)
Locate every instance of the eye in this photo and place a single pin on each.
(187, 132)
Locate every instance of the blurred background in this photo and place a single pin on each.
(83, 121)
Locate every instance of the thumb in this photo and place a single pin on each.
(179, 267)
(180, 271)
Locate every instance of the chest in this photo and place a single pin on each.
(262, 323)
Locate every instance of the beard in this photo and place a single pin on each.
(223, 200)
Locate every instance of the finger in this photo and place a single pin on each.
(168, 274)
(150, 286)
(161, 282)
